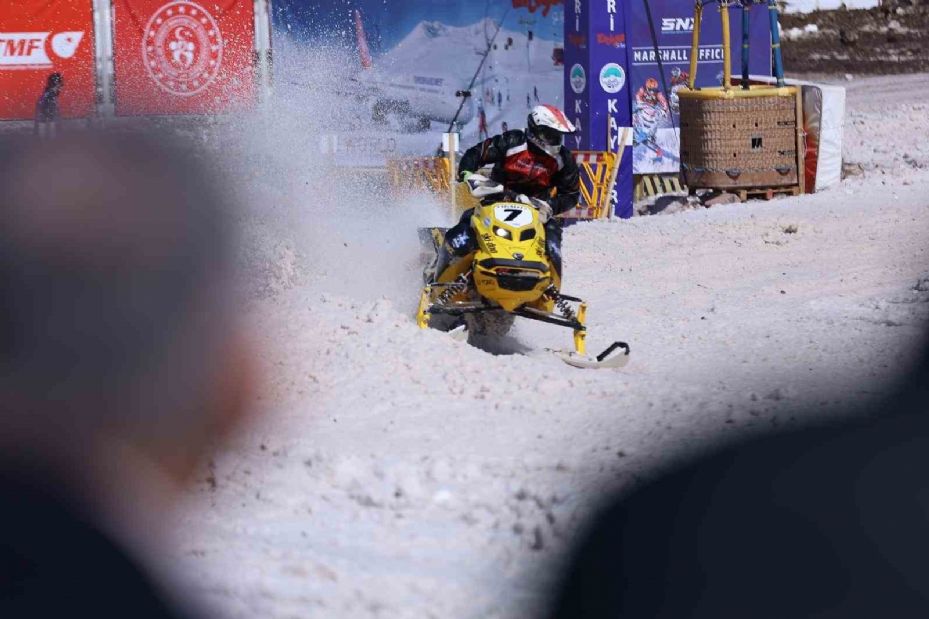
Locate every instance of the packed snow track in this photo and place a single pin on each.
(395, 472)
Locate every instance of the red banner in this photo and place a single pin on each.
(183, 57)
(41, 37)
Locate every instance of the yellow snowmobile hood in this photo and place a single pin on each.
(511, 267)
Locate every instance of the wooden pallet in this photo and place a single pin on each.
(765, 193)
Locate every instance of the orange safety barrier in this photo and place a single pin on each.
(597, 171)
(409, 174)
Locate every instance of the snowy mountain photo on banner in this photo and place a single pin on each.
(404, 64)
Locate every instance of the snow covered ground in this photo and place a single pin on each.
(397, 473)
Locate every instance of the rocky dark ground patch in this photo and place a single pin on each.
(891, 38)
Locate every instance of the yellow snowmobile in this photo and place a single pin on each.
(508, 275)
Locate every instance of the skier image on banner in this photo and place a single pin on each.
(678, 81)
(649, 111)
(482, 130)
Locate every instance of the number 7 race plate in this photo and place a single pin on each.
(516, 215)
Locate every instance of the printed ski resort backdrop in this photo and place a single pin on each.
(38, 38)
(400, 64)
(183, 57)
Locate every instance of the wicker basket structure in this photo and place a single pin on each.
(731, 141)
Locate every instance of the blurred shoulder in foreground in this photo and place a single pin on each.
(826, 523)
(121, 366)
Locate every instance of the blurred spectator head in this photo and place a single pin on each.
(116, 327)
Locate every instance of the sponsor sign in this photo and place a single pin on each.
(601, 112)
(612, 78)
(612, 39)
(183, 57)
(655, 121)
(30, 50)
(577, 54)
(578, 79)
(182, 48)
(577, 40)
(41, 37)
(534, 5)
(677, 24)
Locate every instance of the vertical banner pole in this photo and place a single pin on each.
(450, 142)
(103, 51)
(695, 45)
(263, 49)
(801, 142)
(727, 45)
(626, 137)
(746, 25)
(776, 43)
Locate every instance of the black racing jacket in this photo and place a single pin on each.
(522, 168)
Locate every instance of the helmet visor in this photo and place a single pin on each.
(549, 136)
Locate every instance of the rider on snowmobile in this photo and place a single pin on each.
(529, 164)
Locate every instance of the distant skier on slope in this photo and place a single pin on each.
(649, 107)
(482, 130)
(529, 164)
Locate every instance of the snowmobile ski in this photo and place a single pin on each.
(616, 355)
(459, 333)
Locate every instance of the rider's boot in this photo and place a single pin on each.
(441, 261)
(459, 242)
(553, 234)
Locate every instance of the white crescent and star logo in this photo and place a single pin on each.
(182, 48)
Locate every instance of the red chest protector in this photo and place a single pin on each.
(528, 172)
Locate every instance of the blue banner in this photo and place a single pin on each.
(655, 112)
(597, 87)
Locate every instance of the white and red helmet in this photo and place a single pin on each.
(547, 127)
